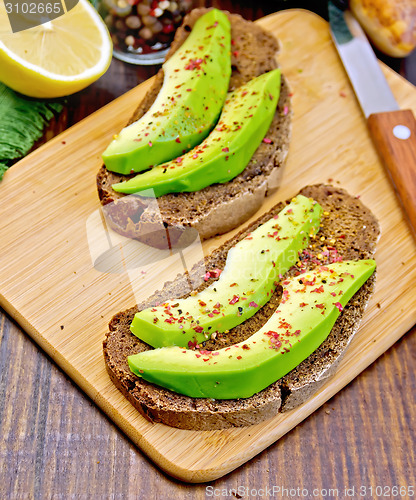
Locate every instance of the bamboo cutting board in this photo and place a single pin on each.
(49, 284)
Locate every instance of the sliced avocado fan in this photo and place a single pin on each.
(310, 305)
(244, 121)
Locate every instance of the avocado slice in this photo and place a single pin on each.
(253, 268)
(309, 308)
(244, 121)
(196, 80)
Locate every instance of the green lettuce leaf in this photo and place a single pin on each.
(22, 121)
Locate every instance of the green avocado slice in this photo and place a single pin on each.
(252, 270)
(244, 121)
(309, 308)
(196, 80)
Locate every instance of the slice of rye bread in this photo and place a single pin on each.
(218, 208)
(348, 230)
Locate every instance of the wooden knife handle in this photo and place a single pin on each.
(394, 135)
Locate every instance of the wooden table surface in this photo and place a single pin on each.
(55, 443)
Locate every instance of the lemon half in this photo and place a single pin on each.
(57, 58)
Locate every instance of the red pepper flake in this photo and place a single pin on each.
(297, 333)
(267, 141)
(253, 304)
(232, 42)
(195, 156)
(202, 303)
(210, 315)
(333, 294)
(198, 355)
(150, 144)
(179, 159)
(192, 344)
(319, 289)
(198, 329)
(194, 64)
(189, 90)
(303, 304)
(213, 25)
(235, 53)
(338, 305)
(212, 274)
(342, 94)
(225, 150)
(320, 306)
(234, 300)
(169, 320)
(177, 139)
(285, 296)
(239, 357)
(233, 284)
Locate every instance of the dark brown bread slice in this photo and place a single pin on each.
(253, 53)
(348, 230)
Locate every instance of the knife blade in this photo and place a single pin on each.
(392, 130)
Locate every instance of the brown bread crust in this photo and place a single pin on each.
(348, 228)
(253, 53)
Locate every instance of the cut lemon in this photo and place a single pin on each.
(57, 58)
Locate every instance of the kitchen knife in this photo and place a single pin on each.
(392, 130)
